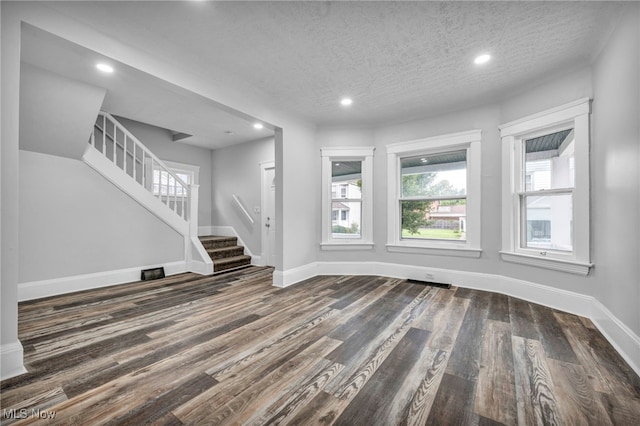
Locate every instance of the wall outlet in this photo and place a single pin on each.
(256, 210)
(429, 277)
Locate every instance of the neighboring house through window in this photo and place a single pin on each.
(347, 177)
(434, 195)
(546, 189)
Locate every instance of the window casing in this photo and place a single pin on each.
(163, 184)
(347, 192)
(546, 189)
(434, 195)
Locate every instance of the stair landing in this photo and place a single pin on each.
(225, 252)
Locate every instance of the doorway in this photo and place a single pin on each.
(268, 209)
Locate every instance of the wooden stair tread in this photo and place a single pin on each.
(225, 252)
(232, 259)
(216, 238)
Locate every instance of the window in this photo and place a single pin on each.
(347, 198)
(546, 189)
(165, 184)
(434, 195)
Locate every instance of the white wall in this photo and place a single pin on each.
(159, 141)
(615, 180)
(10, 347)
(236, 170)
(56, 114)
(74, 222)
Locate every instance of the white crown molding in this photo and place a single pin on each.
(11, 364)
(623, 339)
(57, 286)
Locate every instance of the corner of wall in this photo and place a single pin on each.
(11, 355)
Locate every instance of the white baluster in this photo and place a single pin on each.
(104, 135)
(135, 163)
(124, 153)
(115, 153)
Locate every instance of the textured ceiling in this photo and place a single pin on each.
(397, 60)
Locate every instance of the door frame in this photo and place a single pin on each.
(264, 186)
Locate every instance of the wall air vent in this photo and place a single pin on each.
(429, 283)
(152, 274)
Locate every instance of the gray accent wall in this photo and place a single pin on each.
(615, 176)
(236, 170)
(74, 222)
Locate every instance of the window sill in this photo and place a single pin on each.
(435, 251)
(569, 266)
(347, 245)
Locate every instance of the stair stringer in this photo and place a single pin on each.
(203, 265)
(196, 257)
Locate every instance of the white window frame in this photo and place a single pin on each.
(364, 154)
(469, 141)
(572, 115)
(189, 169)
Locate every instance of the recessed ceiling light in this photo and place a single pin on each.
(482, 59)
(105, 68)
(258, 126)
(346, 101)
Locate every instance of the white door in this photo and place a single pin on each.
(268, 214)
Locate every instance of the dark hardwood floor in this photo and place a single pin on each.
(344, 350)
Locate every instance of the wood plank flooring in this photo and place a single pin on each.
(342, 350)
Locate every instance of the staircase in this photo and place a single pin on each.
(225, 253)
(121, 158)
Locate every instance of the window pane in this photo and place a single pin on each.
(346, 179)
(346, 219)
(436, 219)
(549, 222)
(434, 175)
(549, 161)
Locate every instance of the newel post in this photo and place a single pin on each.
(193, 223)
(193, 209)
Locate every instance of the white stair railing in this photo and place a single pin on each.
(120, 157)
(124, 150)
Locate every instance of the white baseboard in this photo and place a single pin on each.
(56, 286)
(623, 339)
(202, 268)
(229, 231)
(11, 360)
(295, 275)
(205, 230)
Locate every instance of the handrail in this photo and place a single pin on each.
(243, 209)
(181, 190)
